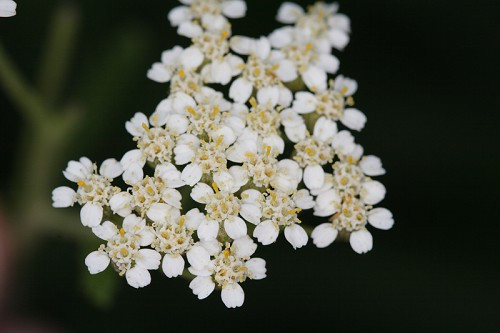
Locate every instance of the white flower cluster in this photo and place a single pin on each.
(223, 154)
(7, 8)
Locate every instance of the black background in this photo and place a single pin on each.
(428, 73)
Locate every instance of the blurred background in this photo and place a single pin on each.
(72, 73)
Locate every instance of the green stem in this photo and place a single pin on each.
(45, 135)
(26, 100)
(57, 54)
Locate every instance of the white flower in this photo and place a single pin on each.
(198, 257)
(315, 151)
(343, 143)
(280, 209)
(227, 270)
(162, 71)
(304, 58)
(202, 286)
(372, 192)
(78, 170)
(208, 230)
(314, 176)
(331, 103)
(184, 16)
(173, 235)
(361, 241)
(63, 196)
(371, 166)
(350, 211)
(327, 203)
(320, 23)
(132, 162)
(261, 157)
(288, 176)
(7, 8)
(266, 232)
(124, 250)
(249, 46)
(94, 188)
(256, 268)
(289, 12)
(235, 227)
(222, 209)
(120, 203)
(172, 265)
(381, 218)
(232, 295)
(97, 262)
(91, 214)
(244, 247)
(152, 190)
(296, 235)
(324, 235)
(354, 119)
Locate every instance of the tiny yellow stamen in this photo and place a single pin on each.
(81, 183)
(275, 68)
(321, 14)
(310, 151)
(349, 101)
(191, 110)
(309, 47)
(227, 252)
(268, 150)
(250, 155)
(256, 72)
(344, 90)
(181, 221)
(122, 232)
(145, 126)
(293, 211)
(124, 252)
(219, 141)
(150, 190)
(215, 112)
(253, 102)
(154, 118)
(214, 186)
(182, 74)
(224, 35)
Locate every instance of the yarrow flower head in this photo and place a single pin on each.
(252, 133)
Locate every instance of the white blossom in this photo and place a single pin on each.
(227, 270)
(7, 8)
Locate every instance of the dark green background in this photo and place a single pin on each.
(428, 73)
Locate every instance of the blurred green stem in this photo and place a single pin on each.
(57, 54)
(27, 101)
(45, 134)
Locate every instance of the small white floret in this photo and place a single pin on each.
(233, 295)
(361, 241)
(324, 235)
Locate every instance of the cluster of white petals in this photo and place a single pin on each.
(217, 170)
(7, 8)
